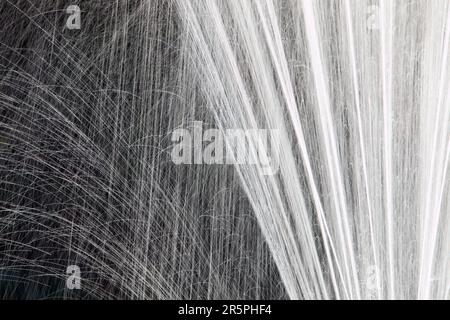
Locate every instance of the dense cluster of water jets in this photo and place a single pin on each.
(358, 91)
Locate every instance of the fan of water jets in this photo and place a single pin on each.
(357, 90)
